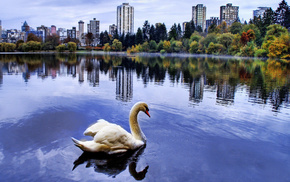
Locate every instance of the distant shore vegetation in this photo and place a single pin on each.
(266, 36)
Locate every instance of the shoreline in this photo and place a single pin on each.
(143, 54)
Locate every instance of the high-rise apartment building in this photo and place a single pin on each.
(199, 16)
(229, 13)
(212, 20)
(0, 31)
(53, 30)
(72, 33)
(45, 30)
(81, 29)
(260, 11)
(25, 27)
(125, 18)
(94, 28)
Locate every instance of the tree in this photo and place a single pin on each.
(146, 30)
(179, 31)
(32, 37)
(72, 46)
(258, 38)
(173, 32)
(212, 28)
(116, 34)
(152, 33)
(198, 28)
(226, 40)
(139, 36)
(153, 46)
(282, 14)
(189, 29)
(161, 32)
(235, 28)
(90, 38)
(117, 45)
(267, 20)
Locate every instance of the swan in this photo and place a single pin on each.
(111, 138)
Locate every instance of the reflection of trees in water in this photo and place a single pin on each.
(266, 81)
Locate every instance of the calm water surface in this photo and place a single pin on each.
(211, 119)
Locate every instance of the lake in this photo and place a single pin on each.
(212, 119)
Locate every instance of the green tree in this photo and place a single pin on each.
(282, 14)
(139, 36)
(72, 46)
(258, 37)
(117, 45)
(152, 35)
(173, 32)
(107, 47)
(60, 48)
(193, 47)
(146, 30)
(225, 39)
(189, 29)
(153, 46)
(161, 32)
(236, 27)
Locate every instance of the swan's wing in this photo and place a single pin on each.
(95, 128)
(117, 139)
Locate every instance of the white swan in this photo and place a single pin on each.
(111, 138)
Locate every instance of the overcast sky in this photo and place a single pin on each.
(67, 13)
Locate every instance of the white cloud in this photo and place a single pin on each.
(67, 13)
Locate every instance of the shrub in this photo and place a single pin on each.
(261, 53)
(72, 47)
(162, 51)
(107, 47)
(193, 47)
(60, 48)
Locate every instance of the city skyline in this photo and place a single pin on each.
(64, 14)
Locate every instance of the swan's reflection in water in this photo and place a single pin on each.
(112, 165)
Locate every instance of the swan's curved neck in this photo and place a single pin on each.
(134, 125)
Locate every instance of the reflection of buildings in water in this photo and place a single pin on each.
(94, 73)
(225, 93)
(81, 70)
(257, 96)
(124, 85)
(278, 96)
(145, 76)
(196, 89)
(1, 73)
(63, 69)
(72, 70)
(112, 76)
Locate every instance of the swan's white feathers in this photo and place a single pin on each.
(111, 138)
(96, 127)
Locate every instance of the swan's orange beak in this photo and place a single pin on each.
(147, 113)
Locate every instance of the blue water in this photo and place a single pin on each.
(211, 119)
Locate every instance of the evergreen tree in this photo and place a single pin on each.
(267, 20)
(139, 36)
(173, 32)
(179, 32)
(116, 34)
(189, 29)
(145, 30)
(282, 14)
(152, 33)
(161, 32)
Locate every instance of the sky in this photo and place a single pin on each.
(67, 13)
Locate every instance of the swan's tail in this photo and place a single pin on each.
(77, 143)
